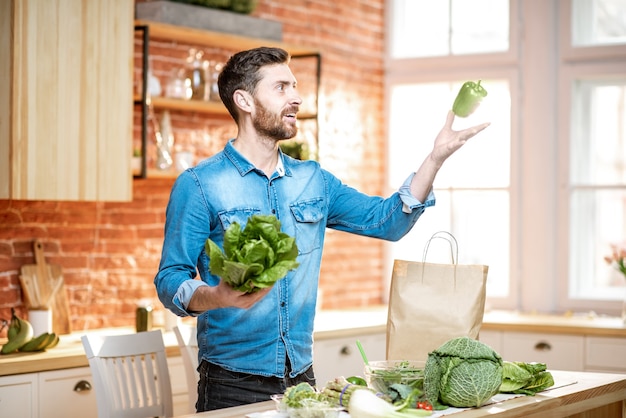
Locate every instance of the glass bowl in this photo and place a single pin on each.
(278, 400)
(380, 375)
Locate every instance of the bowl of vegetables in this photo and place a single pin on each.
(380, 375)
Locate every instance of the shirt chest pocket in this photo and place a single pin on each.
(309, 224)
(239, 216)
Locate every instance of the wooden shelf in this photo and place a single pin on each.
(191, 36)
(217, 39)
(201, 106)
(215, 108)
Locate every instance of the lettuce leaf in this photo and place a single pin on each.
(525, 378)
(253, 258)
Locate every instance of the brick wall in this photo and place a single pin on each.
(109, 252)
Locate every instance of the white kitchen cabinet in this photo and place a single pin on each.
(558, 352)
(605, 354)
(18, 396)
(492, 338)
(340, 356)
(67, 393)
(180, 391)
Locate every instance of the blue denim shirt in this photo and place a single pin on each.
(227, 188)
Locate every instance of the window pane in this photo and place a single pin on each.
(598, 144)
(424, 28)
(598, 22)
(417, 114)
(598, 219)
(479, 26)
(420, 28)
(479, 220)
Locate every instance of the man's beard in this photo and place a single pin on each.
(271, 125)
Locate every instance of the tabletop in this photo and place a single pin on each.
(600, 394)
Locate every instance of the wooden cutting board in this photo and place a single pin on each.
(43, 285)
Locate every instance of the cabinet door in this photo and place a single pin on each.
(336, 357)
(492, 338)
(605, 354)
(180, 391)
(559, 352)
(67, 393)
(66, 100)
(18, 396)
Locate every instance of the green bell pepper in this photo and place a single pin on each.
(469, 97)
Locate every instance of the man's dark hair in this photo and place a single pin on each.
(242, 72)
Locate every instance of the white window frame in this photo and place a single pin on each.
(540, 66)
(578, 63)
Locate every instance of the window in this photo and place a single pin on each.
(593, 72)
(541, 193)
(424, 29)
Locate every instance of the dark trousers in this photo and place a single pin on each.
(220, 388)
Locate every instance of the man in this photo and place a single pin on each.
(255, 344)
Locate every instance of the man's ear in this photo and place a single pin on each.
(243, 100)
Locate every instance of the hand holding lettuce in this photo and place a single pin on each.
(253, 258)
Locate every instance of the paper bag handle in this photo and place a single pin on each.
(454, 246)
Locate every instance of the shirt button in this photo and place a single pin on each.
(282, 304)
(274, 211)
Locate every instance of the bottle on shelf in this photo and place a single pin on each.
(195, 82)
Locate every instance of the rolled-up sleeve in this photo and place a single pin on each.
(409, 202)
(183, 296)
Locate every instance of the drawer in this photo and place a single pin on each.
(336, 357)
(558, 352)
(605, 354)
(67, 393)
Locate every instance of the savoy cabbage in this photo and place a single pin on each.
(462, 373)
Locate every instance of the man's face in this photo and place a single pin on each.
(276, 103)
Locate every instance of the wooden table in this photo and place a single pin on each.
(592, 395)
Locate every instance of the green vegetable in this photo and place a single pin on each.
(469, 97)
(356, 380)
(463, 373)
(338, 391)
(365, 404)
(525, 378)
(402, 372)
(254, 258)
(294, 396)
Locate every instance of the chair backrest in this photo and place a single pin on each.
(130, 375)
(187, 338)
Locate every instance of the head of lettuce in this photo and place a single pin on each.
(253, 258)
(463, 373)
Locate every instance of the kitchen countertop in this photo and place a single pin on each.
(328, 324)
(596, 394)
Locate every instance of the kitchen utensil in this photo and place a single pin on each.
(44, 288)
(30, 291)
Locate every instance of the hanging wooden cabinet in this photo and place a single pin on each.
(66, 99)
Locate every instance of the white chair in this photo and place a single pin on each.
(187, 338)
(130, 375)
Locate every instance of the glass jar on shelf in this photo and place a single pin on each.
(185, 151)
(195, 81)
(215, 67)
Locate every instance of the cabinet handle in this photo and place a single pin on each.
(82, 386)
(543, 346)
(345, 351)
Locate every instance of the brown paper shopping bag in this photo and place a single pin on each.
(432, 303)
